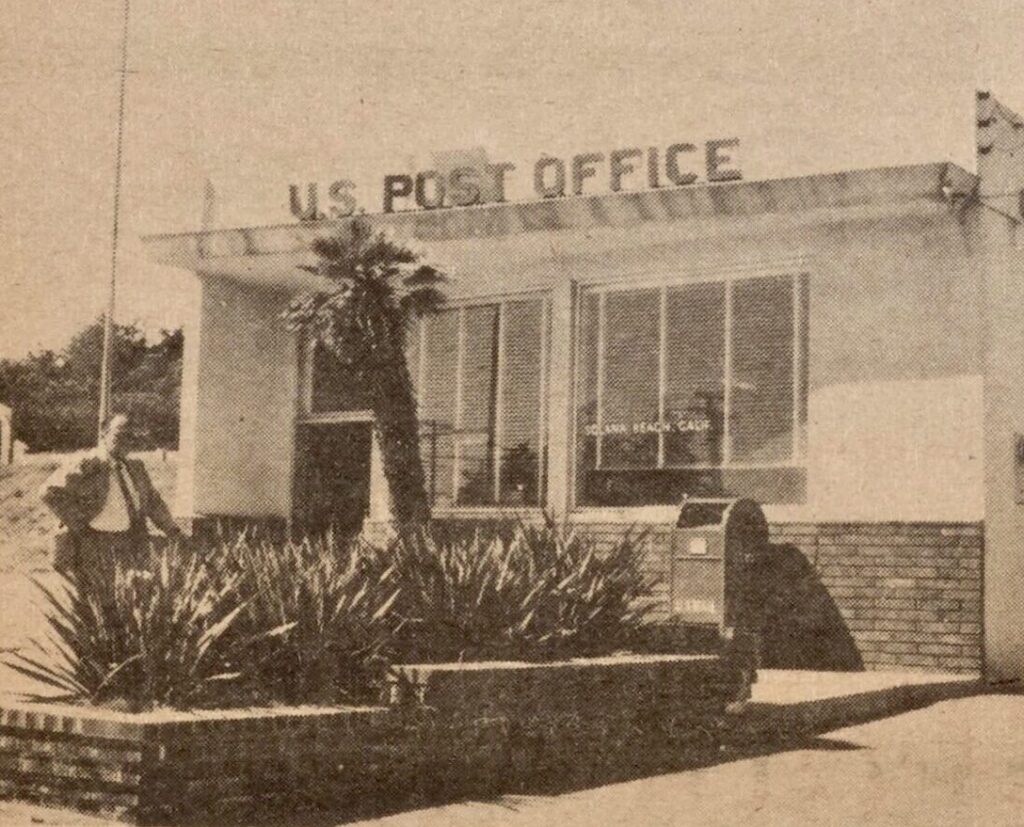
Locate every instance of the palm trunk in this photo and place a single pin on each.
(394, 407)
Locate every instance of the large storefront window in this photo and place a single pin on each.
(697, 388)
(480, 373)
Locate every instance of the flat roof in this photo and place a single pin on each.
(883, 186)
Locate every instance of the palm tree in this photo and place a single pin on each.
(376, 289)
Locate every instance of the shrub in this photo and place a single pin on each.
(522, 593)
(338, 614)
(161, 633)
(242, 623)
(597, 600)
(254, 621)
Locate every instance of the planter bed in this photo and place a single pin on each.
(460, 728)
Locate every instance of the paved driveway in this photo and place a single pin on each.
(958, 762)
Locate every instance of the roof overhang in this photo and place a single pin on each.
(272, 255)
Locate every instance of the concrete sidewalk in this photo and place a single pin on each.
(957, 762)
(791, 701)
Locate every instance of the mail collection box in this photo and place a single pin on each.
(713, 547)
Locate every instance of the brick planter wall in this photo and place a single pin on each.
(167, 766)
(588, 721)
(448, 730)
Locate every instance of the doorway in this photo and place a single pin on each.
(332, 478)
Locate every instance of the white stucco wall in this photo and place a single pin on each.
(895, 387)
(239, 390)
(895, 428)
(6, 436)
(1004, 428)
(895, 420)
(1000, 241)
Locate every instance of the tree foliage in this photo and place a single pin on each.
(55, 395)
(373, 289)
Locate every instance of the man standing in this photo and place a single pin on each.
(105, 501)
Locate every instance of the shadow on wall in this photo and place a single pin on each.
(802, 627)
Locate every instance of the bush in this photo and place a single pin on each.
(597, 600)
(161, 633)
(254, 621)
(247, 622)
(337, 610)
(515, 593)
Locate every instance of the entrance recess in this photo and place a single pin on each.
(332, 477)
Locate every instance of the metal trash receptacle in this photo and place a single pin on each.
(713, 547)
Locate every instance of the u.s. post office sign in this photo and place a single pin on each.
(678, 165)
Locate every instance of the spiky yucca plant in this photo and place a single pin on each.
(597, 598)
(522, 593)
(460, 600)
(160, 633)
(338, 614)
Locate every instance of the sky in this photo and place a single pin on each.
(253, 95)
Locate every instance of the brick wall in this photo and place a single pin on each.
(851, 595)
(449, 731)
(909, 593)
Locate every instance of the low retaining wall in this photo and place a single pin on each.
(446, 730)
(576, 721)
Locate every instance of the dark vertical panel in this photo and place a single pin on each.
(337, 386)
(694, 374)
(762, 370)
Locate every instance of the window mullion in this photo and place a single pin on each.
(308, 348)
(421, 366)
(662, 370)
(543, 398)
(499, 393)
(421, 397)
(599, 391)
(727, 379)
(797, 322)
(457, 435)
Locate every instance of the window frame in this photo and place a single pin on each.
(460, 438)
(799, 277)
(306, 414)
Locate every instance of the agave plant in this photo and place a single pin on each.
(595, 600)
(522, 592)
(338, 615)
(163, 632)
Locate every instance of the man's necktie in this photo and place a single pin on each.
(131, 498)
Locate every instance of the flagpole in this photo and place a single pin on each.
(106, 368)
